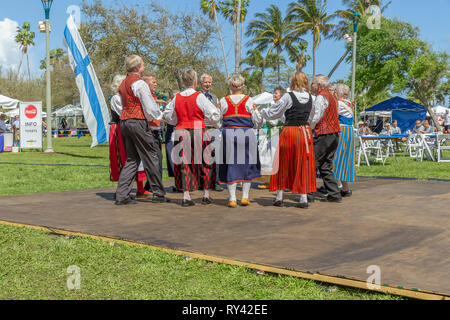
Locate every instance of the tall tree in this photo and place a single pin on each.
(270, 31)
(56, 56)
(210, 7)
(25, 38)
(230, 9)
(310, 16)
(257, 62)
(297, 54)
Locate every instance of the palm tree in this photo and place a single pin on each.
(230, 9)
(359, 6)
(56, 57)
(310, 15)
(296, 54)
(24, 38)
(210, 7)
(257, 62)
(270, 31)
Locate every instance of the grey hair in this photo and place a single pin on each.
(133, 62)
(117, 81)
(342, 90)
(236, 82)
(322, 80)
(204, 76)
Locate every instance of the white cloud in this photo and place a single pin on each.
(9, 49)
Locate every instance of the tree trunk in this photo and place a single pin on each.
(236, 36)
(29, 72)
(223, 46)
(240, 42)
(339, 63)
(263, 70)
(314, 61)
(20, 65)
(426, 104)
(278, 66)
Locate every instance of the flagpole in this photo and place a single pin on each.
(47, 5)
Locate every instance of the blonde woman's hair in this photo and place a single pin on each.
(117, 81)
(189, 77)
(133, 62)
(236, 82)
(299, 82)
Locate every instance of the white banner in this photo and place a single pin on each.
(31, 125)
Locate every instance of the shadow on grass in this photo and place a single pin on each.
(78, 156)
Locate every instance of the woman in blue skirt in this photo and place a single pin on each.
(344, 165)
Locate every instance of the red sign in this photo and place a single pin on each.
(31, 112)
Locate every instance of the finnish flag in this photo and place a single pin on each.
(92, 101)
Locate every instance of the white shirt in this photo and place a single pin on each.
(236, 98)
(319, 106)
(447, 119)
(2, 126)
(142, 92)
(344, 109)
(211, 112)
(116, 104)
(279, 108)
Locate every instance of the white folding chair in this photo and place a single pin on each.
(442, 143)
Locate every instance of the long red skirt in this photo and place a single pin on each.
(294, 167)
(117, 154)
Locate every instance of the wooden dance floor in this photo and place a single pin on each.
(403, 227)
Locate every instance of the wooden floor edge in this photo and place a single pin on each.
(353, 283)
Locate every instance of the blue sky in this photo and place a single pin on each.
(430, 16)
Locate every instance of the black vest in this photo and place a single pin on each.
(115, 118)
(298, 114)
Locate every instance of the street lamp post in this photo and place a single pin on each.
(356, 18)
(47, 4)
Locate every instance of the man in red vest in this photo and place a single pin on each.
(139, 108)
(324, 120)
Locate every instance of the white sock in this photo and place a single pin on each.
(206, 193)
(246, 190)
(303, 198)
(339, 184)
(232, 191)
(279, 195)
(187, 196)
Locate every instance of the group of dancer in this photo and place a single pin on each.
(231, 141)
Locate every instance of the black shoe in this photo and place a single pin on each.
(323, 190)
(160, 199)
(125, 202)
(187, 203)
(278, 203)
(218, 188)
(346, 194)
(310, 198)
(206, 201)
(333, 199)
(175, 190)
(302, 205)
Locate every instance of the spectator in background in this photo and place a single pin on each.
(426, 128)
(387, 130)
(395, 129)
(16, 131)
(63, 123)
(418, 127)
(3, 128)
(447, 120)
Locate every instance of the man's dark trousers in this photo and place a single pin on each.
(325, 147)
(158, 141)
(140, 145)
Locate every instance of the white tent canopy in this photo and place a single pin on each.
(69, 111)
(8, 103)
(264, 98)
(439, 110)
(15, 112)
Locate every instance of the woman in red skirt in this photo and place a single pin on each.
(117, 154)
(294, 166)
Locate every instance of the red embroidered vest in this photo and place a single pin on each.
(237, 114)
(189, 115)
(132, 107)
(330, 121)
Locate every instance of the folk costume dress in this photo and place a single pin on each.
(239, 117)
(344, 164)
(294, 166)
(117, 153)
(188, 111)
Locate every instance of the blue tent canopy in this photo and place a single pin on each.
(404, 111)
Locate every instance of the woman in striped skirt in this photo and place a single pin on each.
(344, 164)
(294, 166)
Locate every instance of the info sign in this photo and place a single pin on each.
(31, 125)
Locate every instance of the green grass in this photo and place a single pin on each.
(34, 266)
